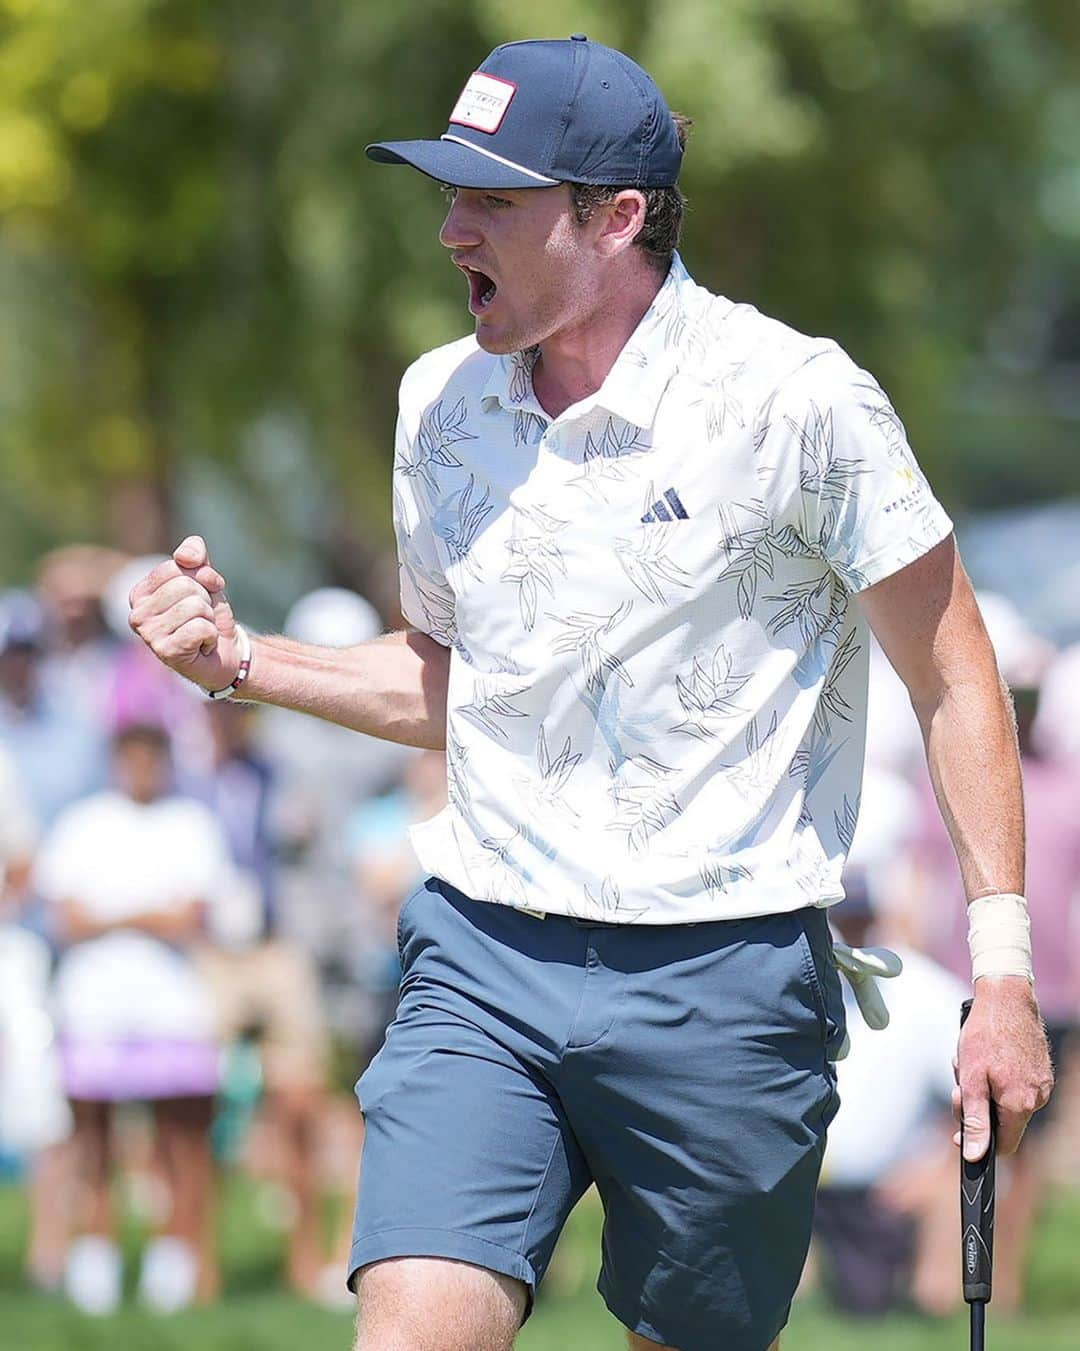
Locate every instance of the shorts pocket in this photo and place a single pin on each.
(822, 977)
(403, 929)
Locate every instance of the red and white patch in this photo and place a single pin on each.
(483, 102)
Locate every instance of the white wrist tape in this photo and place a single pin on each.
(999, 937)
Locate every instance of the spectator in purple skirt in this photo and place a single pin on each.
(128, 874)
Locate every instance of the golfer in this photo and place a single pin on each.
(643, 534)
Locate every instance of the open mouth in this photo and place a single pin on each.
(482, 289)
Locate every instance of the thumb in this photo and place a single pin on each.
(193, 556)
(976, 1121)
(191, 552)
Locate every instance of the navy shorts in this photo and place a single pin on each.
(683, 1069)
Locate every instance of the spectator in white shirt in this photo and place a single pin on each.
(128, 873)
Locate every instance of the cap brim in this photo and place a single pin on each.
(460, 165)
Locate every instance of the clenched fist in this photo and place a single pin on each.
(181, 613)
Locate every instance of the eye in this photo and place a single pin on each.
(499, 203)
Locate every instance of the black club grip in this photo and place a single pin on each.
(977, 1187)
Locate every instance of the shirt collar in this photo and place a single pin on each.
(642, 371)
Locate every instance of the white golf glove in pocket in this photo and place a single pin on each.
(861, 968)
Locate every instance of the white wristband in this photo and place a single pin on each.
(999, 937)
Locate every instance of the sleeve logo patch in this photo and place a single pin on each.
(483, 102)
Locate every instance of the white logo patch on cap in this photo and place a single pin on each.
(483, 102)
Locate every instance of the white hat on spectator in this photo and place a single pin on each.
(1022, 654)
(333, 617)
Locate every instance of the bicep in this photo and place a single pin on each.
(927, 621)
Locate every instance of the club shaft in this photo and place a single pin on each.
(978, 1325)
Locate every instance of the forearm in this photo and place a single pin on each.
(971, 749)
(182, 925)
(393, 687)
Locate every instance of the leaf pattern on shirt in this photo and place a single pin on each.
(717, 876)
(748, 544)
(498, 873)
(584, 634)
(535, 558)
(491, 702)
(845, 820)
(547, 789)
(751, 545)
(609, 904)
(815, 754)
(644, 556)
(617, 725)
(883, 416)
(439, 614)
(521, 368)
(720, 404)
(757, 772)
(601, 458)
(831, 702)
(707, 694)
(458, 787)
(823, 473)
(458, 522)
(644, 804)
(438, 431)
(814, 878)
(812, 606)
(528, 428)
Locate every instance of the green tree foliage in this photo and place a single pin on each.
(207, 292)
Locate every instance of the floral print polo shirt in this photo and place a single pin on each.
(658, 678)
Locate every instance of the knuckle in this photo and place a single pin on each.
(1016, 1102)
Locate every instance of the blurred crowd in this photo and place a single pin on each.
(198, 955)
(198, 910)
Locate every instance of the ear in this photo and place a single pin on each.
(619, 222)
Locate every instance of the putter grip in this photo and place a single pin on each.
(977, 1187)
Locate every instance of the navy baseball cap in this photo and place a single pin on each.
(545, 112)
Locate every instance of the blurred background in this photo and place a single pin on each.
(207, 297)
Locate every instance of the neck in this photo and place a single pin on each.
(575, 361)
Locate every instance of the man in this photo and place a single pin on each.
(641, 531)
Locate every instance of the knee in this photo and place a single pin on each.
(435, 1304)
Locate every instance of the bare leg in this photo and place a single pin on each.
(91, 1142)
(51, 1196)
(935, 1288)
(183, 1126)
(295, 1113)
(433, 1304)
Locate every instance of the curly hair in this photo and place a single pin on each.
(664, 208)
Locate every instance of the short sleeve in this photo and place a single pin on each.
(427, 600)
(864, 503)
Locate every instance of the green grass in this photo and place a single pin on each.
(255, 1315)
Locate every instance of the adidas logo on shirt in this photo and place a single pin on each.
(666, 508)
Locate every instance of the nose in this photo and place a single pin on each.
(460, 229)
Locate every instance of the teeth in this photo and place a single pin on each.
(488, 296)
